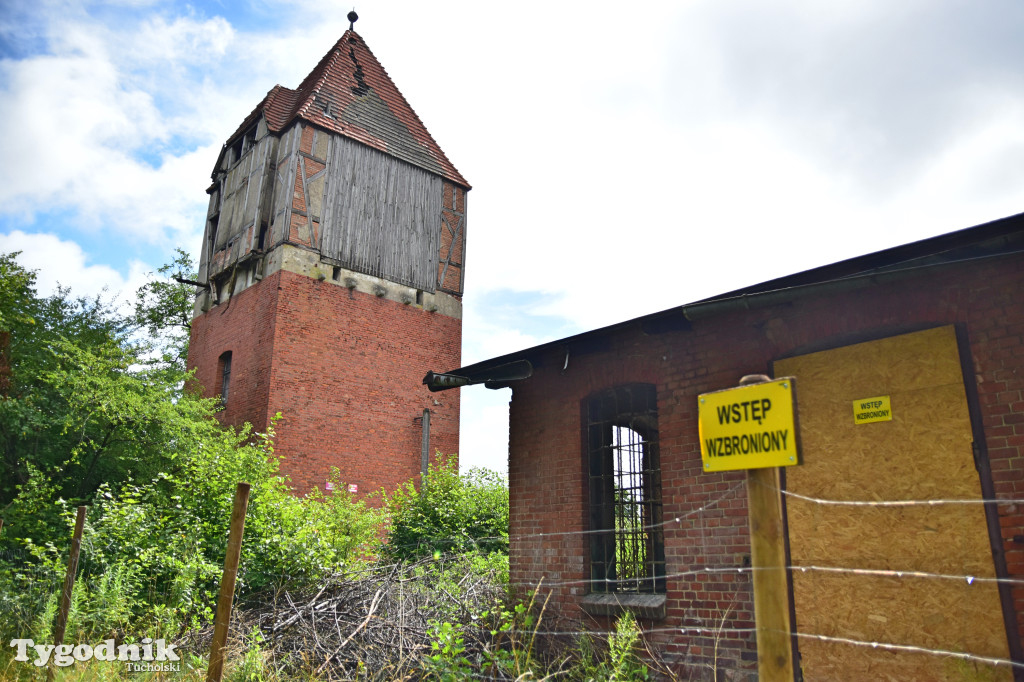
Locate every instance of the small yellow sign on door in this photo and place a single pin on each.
(750, 427)
(867, 410)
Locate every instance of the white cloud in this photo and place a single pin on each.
(106, 125)
(179, 42)
(873, 90)
(63, 263)
(756, 141)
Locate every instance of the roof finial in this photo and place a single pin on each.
(352, 19)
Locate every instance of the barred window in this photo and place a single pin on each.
(627, 552)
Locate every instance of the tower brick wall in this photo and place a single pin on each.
(343, 367)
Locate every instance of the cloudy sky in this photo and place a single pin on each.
(625, 157)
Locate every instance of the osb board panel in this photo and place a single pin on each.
(931, 539)
(874, 609)
(840, 661)
(923, 453)
(922, 359)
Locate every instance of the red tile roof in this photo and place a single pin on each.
(350, 93)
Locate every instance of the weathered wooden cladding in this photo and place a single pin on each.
(360, 209)
(236, 206)
(381, 215)
(284, 181)
(241, 194)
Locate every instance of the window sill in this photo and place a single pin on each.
(613, 604)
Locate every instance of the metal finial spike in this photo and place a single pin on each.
(352, 19)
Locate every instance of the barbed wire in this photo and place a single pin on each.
(740, 570)
(687, 629)
(464, 542)
(679, 518)
(470, 542)
(891, 573)
(701, 631)
(717, 632)
(991, 660)
(891, 503)
(676, 519)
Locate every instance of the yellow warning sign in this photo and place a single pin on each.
(867, 410)
(750, 427)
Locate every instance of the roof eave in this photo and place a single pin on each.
(763, 295)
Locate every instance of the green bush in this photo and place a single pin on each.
(153, 553)
(449, 513)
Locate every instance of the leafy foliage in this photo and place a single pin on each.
(65, 365)
(449, 513)
(17, 289)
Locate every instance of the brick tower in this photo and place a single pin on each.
(333, 264)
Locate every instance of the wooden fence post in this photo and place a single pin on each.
(69, 585)
(227, 584)
(771, 583)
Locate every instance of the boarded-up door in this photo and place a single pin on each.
(923, 453)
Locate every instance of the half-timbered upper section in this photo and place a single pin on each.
(343, 169)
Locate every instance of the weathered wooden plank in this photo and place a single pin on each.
(281, 226)
(267, 188)
(382, 216)
(280, 192)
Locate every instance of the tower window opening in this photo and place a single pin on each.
(240, 146)
(336, 273)
(224, 366)
(261, 242)
(214, 225)
(249, 140)
(236, 152)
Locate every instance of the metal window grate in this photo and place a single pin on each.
(625, 491)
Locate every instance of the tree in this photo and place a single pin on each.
(88, 398)
(56, 346)
(17, 289)
(163, 308)
(17, 292)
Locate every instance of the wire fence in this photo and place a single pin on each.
(699, 630)
(37, 581)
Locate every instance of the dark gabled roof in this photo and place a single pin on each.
(998, 238)
(988, 239)
(350, 93)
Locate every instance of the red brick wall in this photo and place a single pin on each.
(546, 468)
(344, 368)
(244, 326)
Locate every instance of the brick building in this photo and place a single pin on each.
(333, 262)
(610, 508)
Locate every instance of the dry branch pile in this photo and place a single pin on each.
(376, 624)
